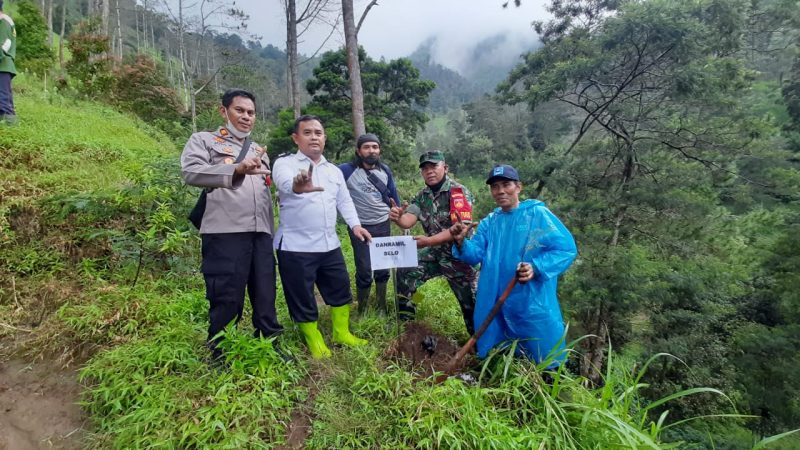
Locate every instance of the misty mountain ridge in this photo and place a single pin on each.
(463, 73)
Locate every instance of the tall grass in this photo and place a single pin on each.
(365, 406)
(153, 386)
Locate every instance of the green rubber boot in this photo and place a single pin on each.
(340, 316)
(314, 340)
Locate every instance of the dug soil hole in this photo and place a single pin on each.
(426, 351)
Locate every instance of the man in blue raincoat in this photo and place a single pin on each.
(527, 241)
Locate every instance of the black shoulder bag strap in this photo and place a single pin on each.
(379, 185)
(199, 210)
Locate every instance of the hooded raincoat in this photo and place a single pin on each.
(529, 233)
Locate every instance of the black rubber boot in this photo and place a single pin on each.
(363, 300)
(380, 298)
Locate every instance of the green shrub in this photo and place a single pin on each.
(33, 53)
(142, 88)
(90, 66)
(157, 390)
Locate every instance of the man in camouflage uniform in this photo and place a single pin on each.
(438, 206)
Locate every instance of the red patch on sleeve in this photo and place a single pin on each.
(459, 205)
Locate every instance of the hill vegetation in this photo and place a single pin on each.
(665, 134)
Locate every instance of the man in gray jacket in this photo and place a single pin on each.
(237, 226)
(372, 188)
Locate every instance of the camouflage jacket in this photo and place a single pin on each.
(433, 211)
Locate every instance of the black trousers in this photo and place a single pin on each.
(6, 97)
(300, 271)
(361, 256)
(231, 263)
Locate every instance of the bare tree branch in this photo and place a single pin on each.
(364, 15)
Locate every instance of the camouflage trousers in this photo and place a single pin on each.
(434, 262)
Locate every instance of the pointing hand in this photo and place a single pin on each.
(251, 166)
(303, 184)
(460, 230)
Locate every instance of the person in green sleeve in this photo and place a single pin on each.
(8, 51)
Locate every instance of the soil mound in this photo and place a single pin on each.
(425, 351)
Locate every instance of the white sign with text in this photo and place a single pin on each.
(393, 251)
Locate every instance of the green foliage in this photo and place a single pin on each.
(393, 97)
(513, 407)
(452, 90)
(682, 197)
(76, 200)
(33, 53)
(280, 137)
(648, 84)
(791, 97)
(142, 88)
(63, 147)
(766, 348)
(90, 66)
(157, 389)
(32, 259)
(676, 181)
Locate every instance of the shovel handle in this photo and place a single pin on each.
(472, 340)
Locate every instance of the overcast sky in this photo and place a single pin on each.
(394, 28)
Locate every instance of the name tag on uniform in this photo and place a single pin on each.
(393, 251)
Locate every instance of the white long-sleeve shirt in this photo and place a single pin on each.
(308, 221)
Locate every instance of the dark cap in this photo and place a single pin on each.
(364, 138)
(502, 172)
(434, 156)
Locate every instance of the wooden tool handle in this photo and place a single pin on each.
(472, 340)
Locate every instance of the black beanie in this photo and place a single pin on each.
(364, 138)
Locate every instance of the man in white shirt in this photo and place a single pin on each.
(310, 191)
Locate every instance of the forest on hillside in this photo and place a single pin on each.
(664, 133)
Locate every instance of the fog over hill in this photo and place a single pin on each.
(463, 73)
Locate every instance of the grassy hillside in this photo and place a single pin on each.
(99, 268)
(64, 146)
(68, 174)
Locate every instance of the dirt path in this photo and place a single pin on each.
(38, 407)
